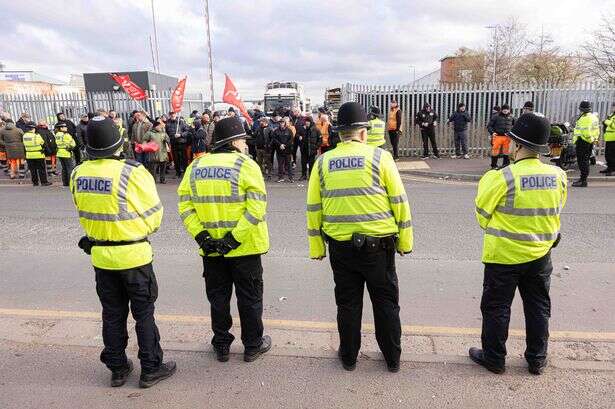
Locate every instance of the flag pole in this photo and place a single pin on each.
(211, 69)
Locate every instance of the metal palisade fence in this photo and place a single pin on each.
(45, 107)
(558, 104)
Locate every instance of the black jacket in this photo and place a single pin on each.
(460, 120)
(500, 124)
(262, 137)
(21, 124)
(282, 137)
(171, 129)
(82, 137)
(50, 147)
(311, 140)
(424, 116)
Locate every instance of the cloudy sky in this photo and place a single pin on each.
(318, 43)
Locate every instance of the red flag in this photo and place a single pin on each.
(231, 96)
(177, 99)
(132, 89)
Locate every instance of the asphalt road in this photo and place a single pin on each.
(440, 282)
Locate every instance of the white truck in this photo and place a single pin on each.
(283, 96)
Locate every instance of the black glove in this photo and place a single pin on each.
(205, 242)
(86, 245)
(226, 244)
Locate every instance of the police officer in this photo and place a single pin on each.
(119, 208)
(375, 133)
(609, 143)
(35, 155)
(586, 133)
(519, 208)
(66, 144)
(222, 202)
(357, 203)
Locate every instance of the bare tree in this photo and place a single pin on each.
(546, 63)
(600, 50)
(508, 45)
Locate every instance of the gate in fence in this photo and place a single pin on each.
(558, 104)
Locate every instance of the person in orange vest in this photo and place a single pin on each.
(324, 126)
(394, 127)
(499, 125)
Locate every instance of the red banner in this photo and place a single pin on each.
(177, 99)
(132, 89)
(231, 96)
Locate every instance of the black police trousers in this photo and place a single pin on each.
(352, 270)
(584, 152)
(38, 170)
(116, 289)
(246, 274)
(500, 282)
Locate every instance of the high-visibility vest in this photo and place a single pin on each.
(609, 132)
(587, 128)
(225, 192)
(33, 143)
(519, 209)
(392, 120)
(117, 201)
(356, 188)
(65, 144)
(375, 135)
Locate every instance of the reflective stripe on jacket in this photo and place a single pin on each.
(65, 143)
(117, 201)
(587, 128)
(225, 192)
(356, 188)
(33, 143)
(519, 208)
(375, 135)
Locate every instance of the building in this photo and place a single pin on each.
(466, 66)
(102, 81)
(27, 76)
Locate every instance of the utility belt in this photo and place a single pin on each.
(367, 244)
(86, 243)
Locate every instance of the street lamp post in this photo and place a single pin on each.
(211, 65)
(413, 75)
(495, 49)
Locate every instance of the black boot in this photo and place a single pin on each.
(347, 366)
(393, 367)
(165, 371)
(119, 377)
(580, 183)
(251, 356)
(478, 357)
(222, 353)
(537, 368)
(494, 162)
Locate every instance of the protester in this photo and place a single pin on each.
(102, 112)
(50, 148)
(299, 125)
(528, 107)
(262, 143)
(309, 146)
(498, 127)
(282, 143)
(81, 137)
(325, 128)
(141, 126)
(157, 161)
(394, 127)
(293, 132)
(23, 120)
(176, 128)
(11, 140)
(426, 119)
(460, 120)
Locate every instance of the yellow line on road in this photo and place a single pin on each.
(312, 325)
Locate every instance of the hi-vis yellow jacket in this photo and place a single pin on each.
(223, 192)
(33, 143)
(375, 135)
(65, 143)
(356, 188)
(587, 128)
(117, 201)
(519, 208)
(609, 132)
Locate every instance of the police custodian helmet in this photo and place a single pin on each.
(532, 130)
(351, 115)
(227, 130)
(104, 138)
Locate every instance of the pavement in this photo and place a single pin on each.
(50, 327)
(474, 168)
